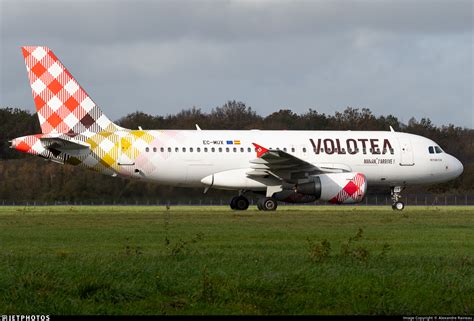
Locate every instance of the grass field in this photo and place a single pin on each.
(210, 260)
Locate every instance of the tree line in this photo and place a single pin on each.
(25, 177)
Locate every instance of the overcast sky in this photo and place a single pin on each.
(406, 58)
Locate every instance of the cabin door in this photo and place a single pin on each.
(127, 151)
(406, 152)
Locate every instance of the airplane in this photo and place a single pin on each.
(285, 166)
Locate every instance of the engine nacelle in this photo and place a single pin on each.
(291, 196)
(342, 188)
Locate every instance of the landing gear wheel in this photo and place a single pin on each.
(239, 203)
(398, 206)
(233, 202)
(267, 204)
(242, 203)
(395, 191)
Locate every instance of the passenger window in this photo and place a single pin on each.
(190, 149)
(154, 149)
(198, 149)
(227, 149)
(147, 149)
(304, 149)
(284, 149)
(205, 149)
(241, 149)
(235, 149)
(162, 149)
(220, 149)
(213, 149)
(431, 149)
(249, 150)
(176, 149)
(438, 150)
(169, 149)
(292, 149)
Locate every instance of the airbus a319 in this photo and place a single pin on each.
(285, 166)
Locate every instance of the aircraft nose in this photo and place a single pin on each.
(456, 167)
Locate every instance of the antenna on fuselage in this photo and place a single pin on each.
(391, 129)
(197, 127)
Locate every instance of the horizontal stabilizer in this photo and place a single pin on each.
(72, 148)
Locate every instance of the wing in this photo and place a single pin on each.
(284, 166)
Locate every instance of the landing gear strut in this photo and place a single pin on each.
(397, 205)
(267, 204)
(239, 203)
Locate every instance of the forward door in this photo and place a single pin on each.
(406, 152)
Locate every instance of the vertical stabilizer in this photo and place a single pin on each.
(61, 103)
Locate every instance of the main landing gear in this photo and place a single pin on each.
(267, 204)
(397, 205)
(239, 203)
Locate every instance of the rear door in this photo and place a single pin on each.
(127, 151)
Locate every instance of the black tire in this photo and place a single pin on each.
(233, 202)
(241, 203)
(259, 204)
(269, 204)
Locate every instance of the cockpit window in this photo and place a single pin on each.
(431, 149)
(438, 150)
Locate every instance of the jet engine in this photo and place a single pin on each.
(342, 188)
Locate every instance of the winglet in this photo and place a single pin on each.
(260, 150)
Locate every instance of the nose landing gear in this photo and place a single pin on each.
(397, 205)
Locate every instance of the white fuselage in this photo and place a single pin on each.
(186, 157)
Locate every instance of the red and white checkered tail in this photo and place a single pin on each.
(61, 103)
